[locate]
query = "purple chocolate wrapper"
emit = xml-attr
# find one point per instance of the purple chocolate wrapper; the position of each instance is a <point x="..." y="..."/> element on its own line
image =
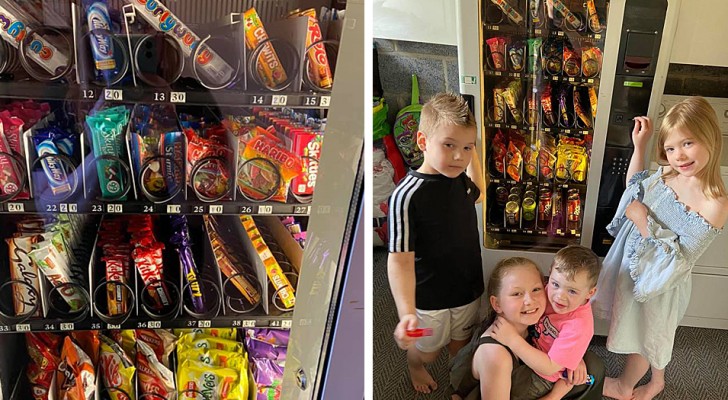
<point x="268" y="378"/>
<point x="267" y="343"/>
<point x="191" y="275"/>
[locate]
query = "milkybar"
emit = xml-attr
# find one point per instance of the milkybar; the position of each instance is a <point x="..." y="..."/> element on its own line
<point x="269" y="64"/>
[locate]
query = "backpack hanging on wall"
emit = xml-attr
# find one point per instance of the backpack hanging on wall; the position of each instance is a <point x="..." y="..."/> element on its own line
<point x="405" y="128"/>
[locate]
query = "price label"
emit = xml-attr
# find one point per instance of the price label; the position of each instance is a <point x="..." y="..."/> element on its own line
<point x="302" y="210"/>
<point x="63" y="207"/>
<point x="204" y="324"/>
<point x="113" y="326"/>
<point x="115" y="208"/>
<point x="279" y="100"/>
<point x="154" y="324"/>
<point x="598" y="36"/>
<point x="286" y="323"/>
<point x="257" y="99"/>
<point x="113" y="94"/>
<point x="89" y="94"/>
<point x="246" y="210"/>
<point x="537" y="31"/>
<point x="571" y="79"/>
<point x="72" y="207"/>
<point x="178" y="97"/>
<point x="173" y="208"/>
<point x="496" y="27"/>
<point x="216" y="209"/>
<point x="498" y="73"/>
<point x="22" y="328"/>
<point x="249" y="323"/>
<point x="497" y="125"/>
<point x="567" y="130"/>
<point x="265" y="209"/>
<point x="560" y="33"/>
<point x="590" y="80"/>
<point x="67" y="326"/>
<point x="16" y="207"/>
<point x="325" y="101"/>
<point x="311" y="101"/>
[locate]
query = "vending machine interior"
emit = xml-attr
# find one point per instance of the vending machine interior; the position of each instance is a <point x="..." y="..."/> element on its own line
<point x="556" y="85"/>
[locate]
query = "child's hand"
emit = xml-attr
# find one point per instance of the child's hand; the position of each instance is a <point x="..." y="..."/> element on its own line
<point x="577" y="376"/>
<point x="636" y="211"/>
<point x="641" y="132"/>
<point x="504" y="332"/>
<point x="406" y="323"/>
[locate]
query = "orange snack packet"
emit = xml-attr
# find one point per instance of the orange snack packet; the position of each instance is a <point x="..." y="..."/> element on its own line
<point x="269" y="65"/>
<point x="316" y="53"/>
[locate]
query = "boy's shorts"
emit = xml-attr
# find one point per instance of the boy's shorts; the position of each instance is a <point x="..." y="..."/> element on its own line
<point x="450" y="324"/>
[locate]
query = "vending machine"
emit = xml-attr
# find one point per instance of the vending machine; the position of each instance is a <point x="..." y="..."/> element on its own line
<point x="180" y="185"/>
<point x="556" y="85"/>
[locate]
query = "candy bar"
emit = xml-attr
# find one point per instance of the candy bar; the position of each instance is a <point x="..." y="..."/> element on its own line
<point x="316" y="52"/>
<point x="269" y="65"/>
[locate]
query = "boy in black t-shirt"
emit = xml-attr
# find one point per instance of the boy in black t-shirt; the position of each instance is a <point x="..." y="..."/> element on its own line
<point x="434" y="266"/>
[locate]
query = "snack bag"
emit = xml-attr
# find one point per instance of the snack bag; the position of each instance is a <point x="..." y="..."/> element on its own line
<point x="406" y="126"/>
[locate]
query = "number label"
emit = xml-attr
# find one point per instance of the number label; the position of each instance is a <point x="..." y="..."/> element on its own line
<point x="51" y="208"/>
<point x="89" y="94"/>
<point x="141" y="324"/>
<point x="216" y="209"/>
<point x="96" y="325"/>
<point x="154" y="324"/>
<point x="198" y="209"/>
<point x="115" y="208"/>
<point x="113" y="94"/>
<point x="258" y="100"/>
<point x="249" y="323"/>
<point x="4" y="328"/>
<point x="325" y="101"/>
<point x="279" y="100"/>
<point x="113" y="326"/>
<point x="97" y="208"/>
<point x="310" y="101"/>
<point x="204" y="324"/>
<point x="265" y="209"/>
<point x="246" y="210"/>
<point x="67" y="326"/>
<point x="22" y="328"/>
<point x="303" y="210"/>
<point x="173" y="208"/>
<point x="49" y="327"/>
<point x="324" y="209"/>
<point x="148" y="209"/>
<point x="178" y="97"/>
<point x="237" y="324"/>
<point x="160" y="96"/>
<point x="16" y="207"/>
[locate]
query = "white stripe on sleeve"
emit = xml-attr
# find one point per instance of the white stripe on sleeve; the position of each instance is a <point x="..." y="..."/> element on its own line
<point x="399" y="228"/>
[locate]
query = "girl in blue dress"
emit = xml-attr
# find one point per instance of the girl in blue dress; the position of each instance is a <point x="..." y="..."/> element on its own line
<point x="664" y="222"/>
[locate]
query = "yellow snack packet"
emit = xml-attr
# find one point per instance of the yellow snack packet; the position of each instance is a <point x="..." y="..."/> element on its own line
<point x="117" y="370"/>
<point x="200" y="341"/>
<point x="218" y="358"/>
<point x="220" y="383"/>
<point x="225" y="333"/>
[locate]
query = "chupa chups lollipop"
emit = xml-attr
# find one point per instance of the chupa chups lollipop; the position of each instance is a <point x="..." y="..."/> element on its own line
<point x="571" y="18"/>
<point x="510" y="11"/>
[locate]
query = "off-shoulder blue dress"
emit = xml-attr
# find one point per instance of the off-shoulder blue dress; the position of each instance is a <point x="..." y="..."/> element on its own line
<point x="644" y="286"/>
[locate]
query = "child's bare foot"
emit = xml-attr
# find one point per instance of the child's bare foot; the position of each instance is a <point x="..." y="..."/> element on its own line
<point x="422" y="380"/>
<point x="613" y="388"/>
<point x="648" y="391"/>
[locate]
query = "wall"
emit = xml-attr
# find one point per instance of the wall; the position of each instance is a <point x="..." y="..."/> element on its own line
<point x="435" y="65"/>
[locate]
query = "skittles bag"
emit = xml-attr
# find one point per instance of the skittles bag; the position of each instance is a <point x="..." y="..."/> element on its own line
<point x="405" y="128"/>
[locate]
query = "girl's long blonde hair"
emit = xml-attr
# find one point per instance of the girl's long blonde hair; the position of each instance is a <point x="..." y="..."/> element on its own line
<point x="697" y="116"/>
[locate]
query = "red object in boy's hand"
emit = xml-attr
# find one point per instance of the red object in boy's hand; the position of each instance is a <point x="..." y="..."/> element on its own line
<point x="420" y="332"/>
